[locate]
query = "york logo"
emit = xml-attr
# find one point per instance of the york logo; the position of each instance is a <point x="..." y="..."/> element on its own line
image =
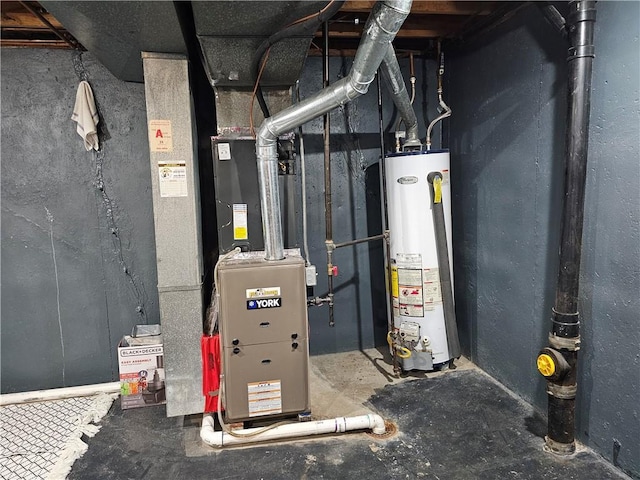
<point x="264" y="303"/>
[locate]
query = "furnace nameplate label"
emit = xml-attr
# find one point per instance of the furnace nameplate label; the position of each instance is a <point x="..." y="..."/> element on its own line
<point x="240" y="224"/>
<point x="265" y="398"/>
<point x="172" y="179"/>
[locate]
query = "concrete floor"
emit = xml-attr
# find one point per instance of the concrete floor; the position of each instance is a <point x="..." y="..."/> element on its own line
<point x="457" y="424"/>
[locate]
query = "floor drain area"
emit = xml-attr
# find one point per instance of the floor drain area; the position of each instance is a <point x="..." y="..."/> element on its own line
<point x="390" y="430"/>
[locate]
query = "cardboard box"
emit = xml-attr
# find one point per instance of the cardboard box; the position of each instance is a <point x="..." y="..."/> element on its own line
<point x="141" y="365"/>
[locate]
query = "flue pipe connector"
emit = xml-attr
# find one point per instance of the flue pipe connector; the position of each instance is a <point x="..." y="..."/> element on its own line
<point x="395" y="82"/>
<point x="380" y="30"/>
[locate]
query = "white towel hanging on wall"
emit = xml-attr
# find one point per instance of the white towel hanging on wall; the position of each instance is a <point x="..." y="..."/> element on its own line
<point x="86" y="116"/>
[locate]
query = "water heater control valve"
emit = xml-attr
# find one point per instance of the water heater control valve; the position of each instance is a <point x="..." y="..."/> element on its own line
<point x="410" y="332"/>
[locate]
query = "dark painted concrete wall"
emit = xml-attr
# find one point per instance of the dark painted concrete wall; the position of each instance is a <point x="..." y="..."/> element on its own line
<point x="360" y="308"/>
<point x="77" y="262"/>
<point x="509" y="102"/>
<point x="96" y="298"/>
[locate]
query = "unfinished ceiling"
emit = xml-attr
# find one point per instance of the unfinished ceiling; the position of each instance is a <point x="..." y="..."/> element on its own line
<point x="117" y="31"/>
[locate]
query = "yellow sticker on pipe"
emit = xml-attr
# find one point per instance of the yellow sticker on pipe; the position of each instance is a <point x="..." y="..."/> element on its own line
<point x="395" y="291"/>
<point x="437" y="190"/>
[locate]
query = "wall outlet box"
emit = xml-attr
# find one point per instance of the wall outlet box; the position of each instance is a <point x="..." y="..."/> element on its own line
<point x="141" y="367"/>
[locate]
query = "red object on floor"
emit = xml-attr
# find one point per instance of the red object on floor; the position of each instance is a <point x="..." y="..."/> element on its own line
<point x="210" y="347"/>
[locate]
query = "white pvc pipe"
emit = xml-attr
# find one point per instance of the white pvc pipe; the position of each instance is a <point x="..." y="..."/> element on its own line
<point x="301" y="429"/>
<point x="59" y="393"/>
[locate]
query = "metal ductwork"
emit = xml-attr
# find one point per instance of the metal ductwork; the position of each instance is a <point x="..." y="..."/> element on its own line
<point x="381" y="28"/>
<point x="395" y="82"/>
<point x="230" y="32"/>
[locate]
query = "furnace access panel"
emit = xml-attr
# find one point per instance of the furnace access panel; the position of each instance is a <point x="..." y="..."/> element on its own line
<point x="237" y="193"/>
<point x="263" y="326"/>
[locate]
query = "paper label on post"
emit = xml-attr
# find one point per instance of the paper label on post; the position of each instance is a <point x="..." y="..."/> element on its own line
<point x="160" y="136"/>
<point x="224" y="151"/>
<point x="172" y="178"/>
<point x="265" y="398"/>
<point x="240" y="230"/>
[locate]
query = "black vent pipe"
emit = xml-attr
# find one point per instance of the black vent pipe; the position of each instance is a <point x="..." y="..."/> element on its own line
<point x="558" y="362"/>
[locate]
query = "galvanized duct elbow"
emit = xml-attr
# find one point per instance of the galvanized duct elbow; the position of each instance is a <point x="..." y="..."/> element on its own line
<point x="394" y="80"/>
<point x="379" y="31"/>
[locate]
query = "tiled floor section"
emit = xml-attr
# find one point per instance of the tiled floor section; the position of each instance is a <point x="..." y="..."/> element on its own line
<point x="34" y="435"/>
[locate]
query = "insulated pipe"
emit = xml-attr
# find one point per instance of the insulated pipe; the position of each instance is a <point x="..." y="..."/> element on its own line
<point x="58" y="393"/>
<point x="558" y="363"/>
<point x="380" y="30"/>
<point x="395" y="82"/>
<point x="444" y="265"/>
<point x="220" y="439"/>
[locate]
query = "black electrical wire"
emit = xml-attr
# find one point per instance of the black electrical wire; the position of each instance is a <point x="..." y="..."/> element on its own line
<point x="296" y="29"/>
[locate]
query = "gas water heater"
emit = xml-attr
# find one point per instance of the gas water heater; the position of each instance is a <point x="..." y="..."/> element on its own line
<point x="424" y="332"/>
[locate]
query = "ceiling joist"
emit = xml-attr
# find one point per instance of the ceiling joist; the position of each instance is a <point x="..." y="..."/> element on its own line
<point x="28" y="24"/>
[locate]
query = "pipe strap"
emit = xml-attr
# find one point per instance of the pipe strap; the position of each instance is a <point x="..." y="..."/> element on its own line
<point x="586" y="15"/>
<point x="571" y="343"/>
<point x="569" y="318"/>
<point x="565" y="392"/>
<point x="581" y="51"/>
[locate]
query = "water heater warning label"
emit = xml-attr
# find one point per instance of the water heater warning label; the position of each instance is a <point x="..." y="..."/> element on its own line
<point x="265" y="398"/>
<point x="432" y="292"/>
<point x="410" y="298"/>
